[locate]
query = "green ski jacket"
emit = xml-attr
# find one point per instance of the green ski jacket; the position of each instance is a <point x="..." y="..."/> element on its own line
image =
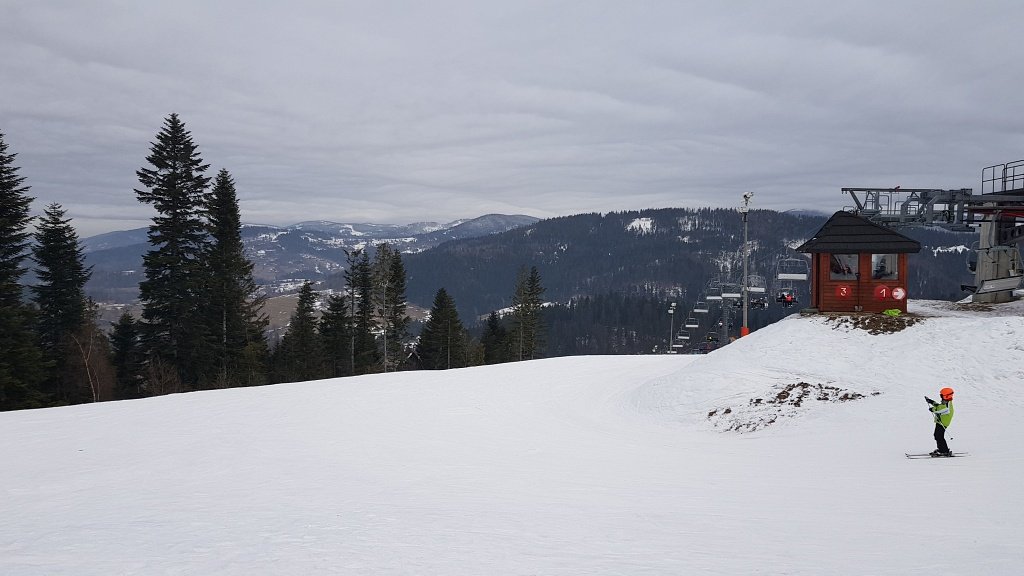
<point x="943" y="413"/>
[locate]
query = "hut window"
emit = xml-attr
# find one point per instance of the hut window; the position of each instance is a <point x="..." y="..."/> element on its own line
<point x="883" y="267"/>
<point x="843" y="267"/>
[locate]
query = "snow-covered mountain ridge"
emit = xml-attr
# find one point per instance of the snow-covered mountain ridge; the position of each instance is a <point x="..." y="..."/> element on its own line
<point x="462" y="228"/>
<point x="311" y="249"/>
<point x="580" y="465"/>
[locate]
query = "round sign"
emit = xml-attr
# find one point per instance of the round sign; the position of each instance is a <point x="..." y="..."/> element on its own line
<point x="844" y="291"/>
<point x="882" y="292"/>
<point x="899" y="293"/>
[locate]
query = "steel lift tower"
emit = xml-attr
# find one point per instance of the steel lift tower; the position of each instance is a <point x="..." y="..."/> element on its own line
<point x="997" y="214"/>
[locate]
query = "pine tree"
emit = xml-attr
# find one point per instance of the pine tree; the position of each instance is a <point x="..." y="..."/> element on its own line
<point x="128" y="357"/>
<point x="494" y="340"/>
<point x="236" y="314"/>
<point x="61" y="302"/>
<point x="21" y="361"/>
<point x="300" y="357"/>
<point x="476" y="352"/>
<point x="352" y="295"/>
<point x="335" y="333"/>
<point x="443" y="342"/>
<point x="535" y="291"/>
<point x="527" y="333"/>
<point x="366" y="356"/>
<point x="391" y="305"/>
<point x="174" y="292"/>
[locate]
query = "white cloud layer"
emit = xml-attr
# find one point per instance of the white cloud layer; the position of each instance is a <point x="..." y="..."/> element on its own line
<point x="400" y="111"/>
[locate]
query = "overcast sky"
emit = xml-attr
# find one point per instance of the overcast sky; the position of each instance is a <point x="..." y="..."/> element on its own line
<point x="395" y="111"/>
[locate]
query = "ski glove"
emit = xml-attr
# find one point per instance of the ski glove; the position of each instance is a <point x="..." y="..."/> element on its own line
<point x="930" y="401"/>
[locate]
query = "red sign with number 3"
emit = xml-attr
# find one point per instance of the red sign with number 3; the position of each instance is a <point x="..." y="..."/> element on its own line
<point x="844" y="291"/>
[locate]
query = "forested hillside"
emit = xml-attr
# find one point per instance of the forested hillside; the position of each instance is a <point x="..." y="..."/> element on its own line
<point x="663" y="252"/>
<point x="938" y="270"/>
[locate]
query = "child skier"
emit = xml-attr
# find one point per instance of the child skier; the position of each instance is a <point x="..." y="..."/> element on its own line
<point x="943" y="414"/>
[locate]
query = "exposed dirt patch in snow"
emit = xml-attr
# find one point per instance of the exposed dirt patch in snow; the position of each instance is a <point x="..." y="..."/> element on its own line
<point x="971" y="307"/>
<point x="781" y="402"/>
<point x="874" y="323"/>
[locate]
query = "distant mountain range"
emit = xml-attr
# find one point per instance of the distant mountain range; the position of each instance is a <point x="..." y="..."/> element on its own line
<point x="307" y="250"/>
<point x="671" y="252"/>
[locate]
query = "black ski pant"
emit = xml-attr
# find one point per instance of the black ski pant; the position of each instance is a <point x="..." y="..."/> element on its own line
<point x="940" y="438"/>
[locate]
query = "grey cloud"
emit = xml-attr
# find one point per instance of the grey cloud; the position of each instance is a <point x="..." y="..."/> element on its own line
<point x="400" y="111"/>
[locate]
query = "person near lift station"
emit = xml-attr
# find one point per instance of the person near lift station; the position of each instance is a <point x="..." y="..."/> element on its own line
<point x="942" y="412"/>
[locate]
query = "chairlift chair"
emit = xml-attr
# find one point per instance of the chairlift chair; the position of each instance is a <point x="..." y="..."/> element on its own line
<point x="691" y="322"/>
<point x="731" y="290"/>
<point x="792" y="269"/>
<point x="786" y="296"/>
<point x="756" y="284"/>
<point x="714" y="290"/>
<point x="701" y="307"/>
<point x="683" y="335"/>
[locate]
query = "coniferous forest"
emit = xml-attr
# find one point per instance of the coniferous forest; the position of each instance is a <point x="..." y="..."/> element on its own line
<point x="620" y="283"/>
<point x="202" y="324"/>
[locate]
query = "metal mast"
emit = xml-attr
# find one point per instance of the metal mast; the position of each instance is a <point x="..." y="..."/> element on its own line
<point x="744" y="330"/>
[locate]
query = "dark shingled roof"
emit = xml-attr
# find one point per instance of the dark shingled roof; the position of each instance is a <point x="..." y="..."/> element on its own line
<point x="847" y="233"/>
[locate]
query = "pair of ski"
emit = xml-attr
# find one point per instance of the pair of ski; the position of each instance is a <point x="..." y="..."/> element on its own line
<point x="928" y="455"/>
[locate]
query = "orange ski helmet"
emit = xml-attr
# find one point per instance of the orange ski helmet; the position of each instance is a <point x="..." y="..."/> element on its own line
<point x="946" y="393"/>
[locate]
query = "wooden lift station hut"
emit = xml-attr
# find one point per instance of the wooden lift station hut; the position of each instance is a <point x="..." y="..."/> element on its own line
<point x="858" y="266"/>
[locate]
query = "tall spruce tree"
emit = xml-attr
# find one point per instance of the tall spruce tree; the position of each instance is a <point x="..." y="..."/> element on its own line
<point x="443" y="342"/>
<point x="335" y="333"/>
<point x="366" y="356"/>
<point x="60" y="299"/>
<point x="352" y="259"/>
<point x="391" y="305"/>
<point x="527" y="332"/>
<point x="174" y="293"/>
<point x="300" y="357"/>
<point x="128" y="357"/>
<point x="494" y="340"/>
<point x="236" y="315"/>
<point x="21" y="361"/>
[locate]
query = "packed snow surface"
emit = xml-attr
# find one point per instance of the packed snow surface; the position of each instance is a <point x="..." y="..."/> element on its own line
<point x="779" y="454"/>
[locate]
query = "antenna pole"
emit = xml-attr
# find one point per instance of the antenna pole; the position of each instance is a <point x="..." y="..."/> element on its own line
<point x="745" y="329"/>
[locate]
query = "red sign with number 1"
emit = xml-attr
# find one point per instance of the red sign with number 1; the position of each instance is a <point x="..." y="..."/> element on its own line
<point x="882" y="292"/>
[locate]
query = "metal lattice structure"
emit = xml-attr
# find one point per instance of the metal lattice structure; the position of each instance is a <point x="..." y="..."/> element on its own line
<point x="997" y="214"/>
